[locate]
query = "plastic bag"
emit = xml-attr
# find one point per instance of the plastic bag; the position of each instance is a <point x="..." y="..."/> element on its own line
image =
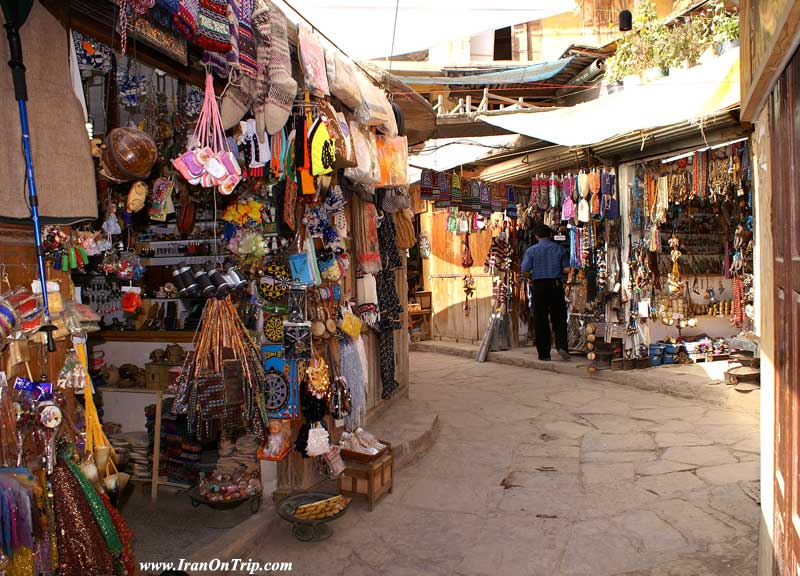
<point x="343" y="79"/>
<point x="393" y="160"/>
<point x="375" y="109"/>
<point x="313" y="60"/>
<point x="367" y="169"/>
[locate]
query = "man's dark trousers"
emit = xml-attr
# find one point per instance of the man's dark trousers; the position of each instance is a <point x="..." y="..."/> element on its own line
<point x="549" y="307"/>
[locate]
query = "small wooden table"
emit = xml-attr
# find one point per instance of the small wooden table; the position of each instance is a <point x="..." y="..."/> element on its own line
<point x="370" y="479"/>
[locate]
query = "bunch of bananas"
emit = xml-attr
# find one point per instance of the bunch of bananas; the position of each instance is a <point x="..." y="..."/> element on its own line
<point x="321" y="509"/>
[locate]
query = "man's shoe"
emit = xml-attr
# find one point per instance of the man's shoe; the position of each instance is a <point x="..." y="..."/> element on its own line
<point x="544" y="359"/>
<point x="564" y="354"/>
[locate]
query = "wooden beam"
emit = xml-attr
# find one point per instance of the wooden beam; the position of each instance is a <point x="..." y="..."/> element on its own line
<point x="777" y="55"/>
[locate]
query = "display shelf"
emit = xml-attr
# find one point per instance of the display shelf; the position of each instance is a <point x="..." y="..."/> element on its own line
<point x="173" y="260"/>
<point x="104" y="389"/>
<point x="181" y="242"/>
<point x="174" y="336"/>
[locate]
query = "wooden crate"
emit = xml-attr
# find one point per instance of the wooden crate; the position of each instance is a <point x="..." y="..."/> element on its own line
<point x="371" y="480"/>
<point x="157" y="376"/>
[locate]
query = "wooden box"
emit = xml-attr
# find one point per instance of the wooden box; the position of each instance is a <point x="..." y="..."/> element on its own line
<point x="157" y="376"/>
<point x="424" y="299"/>
<point x="371" y="480"/>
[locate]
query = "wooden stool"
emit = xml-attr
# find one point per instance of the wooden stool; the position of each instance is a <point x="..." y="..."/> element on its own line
<point x="370" y="479"/>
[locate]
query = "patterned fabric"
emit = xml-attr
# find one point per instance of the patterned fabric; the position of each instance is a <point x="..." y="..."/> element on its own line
<point x="386" y="362"/>
<point x="498" y="197"/>
<point x="222" y="63"/>
<point x="388" y="304"/>
<point x="185" y="19"/>
<point x="247" y="41"/>
<point x="443" y="185"/>
<point x="426" y="185"/>
<point x="511" y="197"/>
<point x="486" y="199"/>
<point x="213" y="26"/>
<point x="282" y="87"/>
<point x="456" y="194"/>
<point x="387" y="239"/>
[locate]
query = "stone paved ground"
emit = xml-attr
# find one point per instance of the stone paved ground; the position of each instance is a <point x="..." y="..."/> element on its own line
<point x="541" y="474"/>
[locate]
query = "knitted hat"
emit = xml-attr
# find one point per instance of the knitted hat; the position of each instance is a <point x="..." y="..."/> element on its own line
<point x="247" y="41"/>
<point x="185" y="19"/>
<point x="282" y="87"/>
<point x="213" y="28"/>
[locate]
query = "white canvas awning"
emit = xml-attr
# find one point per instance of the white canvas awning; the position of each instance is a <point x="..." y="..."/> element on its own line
<point x="445" y="153"/>
<point x="686" y="97"/>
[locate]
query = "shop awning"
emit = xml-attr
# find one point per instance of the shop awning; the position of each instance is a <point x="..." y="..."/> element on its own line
<point x="446" y="153"/>
<point x="686" y="97"/>
<point x="518" y="75"/>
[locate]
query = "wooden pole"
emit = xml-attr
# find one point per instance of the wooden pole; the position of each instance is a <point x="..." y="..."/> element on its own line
<point x="156" y="448"/>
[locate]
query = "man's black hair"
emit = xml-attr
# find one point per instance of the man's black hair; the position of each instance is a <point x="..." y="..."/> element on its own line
<point x="543" y="231"/>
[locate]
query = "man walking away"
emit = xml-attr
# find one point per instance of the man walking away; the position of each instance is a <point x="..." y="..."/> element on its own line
<point x="547" y="263"/>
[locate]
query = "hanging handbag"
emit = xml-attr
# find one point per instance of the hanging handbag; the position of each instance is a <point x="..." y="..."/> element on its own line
<point x="318" y="441"/>
<point x="301" y="269"/>
<point x="209" y="161"/>
<point x="351" y="324"/>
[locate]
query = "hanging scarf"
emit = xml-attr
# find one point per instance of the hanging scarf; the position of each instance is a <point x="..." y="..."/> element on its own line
<point x="82" y="550"/>
<point x="365" y="235"/>
<point x="353" y="372"/>
<point x="485" y="199"/>
<point x="443" y="185"/>
<point x="553" y="190"/>
<point x="568" y="208"/>
<point x="99" y="510"/>
<point x="456" y="195"/>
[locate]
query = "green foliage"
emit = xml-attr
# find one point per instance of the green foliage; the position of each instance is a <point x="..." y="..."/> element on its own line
<point x="653" y="44"/>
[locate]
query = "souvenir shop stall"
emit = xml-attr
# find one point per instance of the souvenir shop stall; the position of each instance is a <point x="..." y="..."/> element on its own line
<point x="582" y="209"/>
<point x="690" y="243"/>
<point x="233" y="292"/>
<point x="661" y="255"/>
<point x="468" y="246"/>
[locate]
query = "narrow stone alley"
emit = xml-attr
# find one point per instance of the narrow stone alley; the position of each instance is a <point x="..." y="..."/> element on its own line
<point x="542" y="474"/>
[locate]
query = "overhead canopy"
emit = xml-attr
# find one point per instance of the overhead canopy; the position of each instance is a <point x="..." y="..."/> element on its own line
<point x="446" y="153"/>
<point x="688" y="96"/>
<point x="520" y="75"/>
<point x="365" y="29"/>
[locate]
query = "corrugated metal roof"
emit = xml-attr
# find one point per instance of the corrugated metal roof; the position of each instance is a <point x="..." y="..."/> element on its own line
<point x="519" y="75"/>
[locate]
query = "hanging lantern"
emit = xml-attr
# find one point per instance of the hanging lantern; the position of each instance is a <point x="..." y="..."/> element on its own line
<point x="625" y="21"/>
